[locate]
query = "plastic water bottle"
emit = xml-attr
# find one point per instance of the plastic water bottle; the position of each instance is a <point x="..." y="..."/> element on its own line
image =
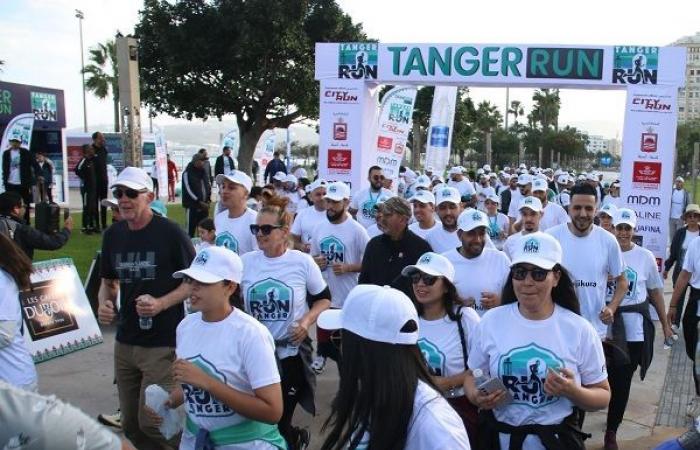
<point x="292" y="327"/>
<point x="145" y="323"/>
<point x="669" y="341"/>
<point x="479" y="378"/>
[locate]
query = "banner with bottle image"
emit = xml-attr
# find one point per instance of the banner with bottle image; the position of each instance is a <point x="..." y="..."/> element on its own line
<point x="442" y="117"/>
<point x="57" y="315"/>
<point x="395" y="122"/>
<point x="20" y="127"/>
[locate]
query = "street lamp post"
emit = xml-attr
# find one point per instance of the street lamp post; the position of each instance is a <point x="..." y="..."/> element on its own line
<point x="80" y="16"/>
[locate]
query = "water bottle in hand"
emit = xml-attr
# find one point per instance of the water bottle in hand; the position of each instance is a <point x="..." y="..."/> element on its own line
<point x="290" y="331"/>
<point x="145" y="323"/>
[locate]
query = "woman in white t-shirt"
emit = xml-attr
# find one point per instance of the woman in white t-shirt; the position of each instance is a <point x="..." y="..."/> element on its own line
<point x="226" y="367"/>
<point x="275" y="284"/>
<point x="445" y="333"/>
<point x="499" y="224"/>
<point x="16" y="364"/>
<point x="207" y="234"/>
<point x="387" y="399"/>
<point x="549" y="359"/>
<point x="632" y="330"/>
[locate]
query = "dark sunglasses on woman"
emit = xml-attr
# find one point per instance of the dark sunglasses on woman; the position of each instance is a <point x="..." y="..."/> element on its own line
<point x="131" y="193"/>
<point x="264" y="229"/>
<point x="428" y="280"/>
<point x="537" y="274"/>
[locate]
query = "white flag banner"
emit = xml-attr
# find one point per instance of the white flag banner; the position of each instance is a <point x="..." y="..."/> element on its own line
<point x="442" y="118"/>
<point x="648" y="149"/>
<point x="20" y="127"/>
<point x="394" y="123"/>
<point x="232" y="140"/>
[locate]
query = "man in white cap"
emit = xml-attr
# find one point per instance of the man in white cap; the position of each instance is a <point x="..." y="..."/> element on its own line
<point x="606" y="214"/>
<point x="233" y="223"/>
<point x="530" y="215"/>
<point x="424" y="212"/>
<point x="410" y="177"/>
<point x="524" y="190"/>
<point x="563" y="194"/>
<point x="552" y="214"/>
<point x="592" y="180"/>
<point x="139" y="255"/>
<point x="449" y="207"/>
<point x="613" y="197"/>
<point x="679" y="201"/>
<point x="337" y="247"/>
<point x="480" y="272"/>
<point x="362" y="203"/>
<point x="308" y="218"/>
<point x="460" y="182"/>
<point x="278" y="182"/>
<point x="291" y="191"/>
<point x="429" y="171"/>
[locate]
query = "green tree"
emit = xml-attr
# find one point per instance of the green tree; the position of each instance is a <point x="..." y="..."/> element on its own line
<point x="250" y="58"/>
<point x="516" y="110"/>
<point x="686" y="135"/>
<point x="463" y="133"/>
<point x="102" y="76"/>
<point x="486" y="119"/>
<point x="546" y="108"/>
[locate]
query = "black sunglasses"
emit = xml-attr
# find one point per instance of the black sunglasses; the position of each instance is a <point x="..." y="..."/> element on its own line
<point x="264" y="229"/>
<point x="537" y="274"/>
<point x="131" y="193"/>
<point x="428" y="280"/>
<point x="189" y="280"/>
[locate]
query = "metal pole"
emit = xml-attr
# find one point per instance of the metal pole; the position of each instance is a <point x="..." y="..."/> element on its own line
<point x="79" y="14"/>
<point x="507" y="106"/>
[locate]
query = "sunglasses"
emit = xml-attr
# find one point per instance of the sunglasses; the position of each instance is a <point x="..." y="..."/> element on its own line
<point x="378" y="178"/>
<point x="264" y="229"/>
<point x="428" y="280"/>
<point x="537" y="274"/>
<point x="131" y="193"/>
<point x="189" y="280"/>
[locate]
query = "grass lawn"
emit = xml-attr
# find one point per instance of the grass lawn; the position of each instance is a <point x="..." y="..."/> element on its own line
<point x="693" y="187"/>
<point x="81" y="247"/>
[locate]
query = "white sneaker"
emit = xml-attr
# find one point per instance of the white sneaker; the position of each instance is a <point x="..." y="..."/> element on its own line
<point x="675" y="328"/>
<point x="318" y="364"/>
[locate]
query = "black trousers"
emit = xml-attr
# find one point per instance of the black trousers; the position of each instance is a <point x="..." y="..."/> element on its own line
<point x="293" y="383"/>
<point x="194" y="216"/>
<point x="26" y="193"/>
<point x="90" y="217"/>
<point x="690" y="331"/>
<point x="101" y="195"/>
<point x="620" y="379"/>
<point x="681" y="302"/>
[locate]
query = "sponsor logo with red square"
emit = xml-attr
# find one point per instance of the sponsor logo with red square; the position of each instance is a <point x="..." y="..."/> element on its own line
<point x="646" y="175"/>
<point x="649" y="142"/>
<point x="340" y="130"/>
<point x="384" y="143"/>
<point x="339" y="160"/>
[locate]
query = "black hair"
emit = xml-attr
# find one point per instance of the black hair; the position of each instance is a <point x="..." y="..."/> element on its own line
<point x="563" y="294"/>
<point x="207" y="223"/>
<point x="449" y="301"/>
<point x="275" y="154"/>
<point x="377" y="388"/>
<point x="226" y="147"/>
<point x="95" y="134"/>
<point x="85" y="148"/>
<point x="583" y="189"/>
<point x="255" y="191"/>
<point x="373" y="168"/>
<point x="8" y="201"/>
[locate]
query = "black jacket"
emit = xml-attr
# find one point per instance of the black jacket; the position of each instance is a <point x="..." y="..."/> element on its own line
<point x="27" y="167"/>
<point x="29" y="238"/>
<point x="102" y="179"/>
<point x="219" y="164"/>
<point x="87" y="172"/>
<point x="675" y="257"/>
<point x="195" y="187"/>
<point x="505" y="200"/>
<point x="384" y="260"/>
<point x="274" y="166"/>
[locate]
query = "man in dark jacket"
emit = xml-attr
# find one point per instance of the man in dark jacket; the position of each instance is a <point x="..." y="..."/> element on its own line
<point x="44" y="176"/>
<point x="28" y="238"/>
<point x="387" y="254"/>
<point x="274" y="166"/>
<point x="18" y="168"/>
<point x="102" y="180"/>
<point x="224" y="164"/>
<point x="196" y="192"/>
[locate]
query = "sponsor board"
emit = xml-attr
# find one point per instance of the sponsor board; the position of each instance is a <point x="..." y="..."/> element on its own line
<point x="357" y="60"/>
<point x="340" y="96"/>
<point x="646" y="175"/>
<point x="339" y="161"/>
<point x="649" y="141"/>
<point x="635" y="65"/>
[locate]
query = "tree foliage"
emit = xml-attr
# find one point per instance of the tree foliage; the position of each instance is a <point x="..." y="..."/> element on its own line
<point x="103" y="76"/>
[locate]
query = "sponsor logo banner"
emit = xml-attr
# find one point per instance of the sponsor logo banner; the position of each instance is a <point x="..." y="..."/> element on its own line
<point x="395" y="122"/>
<point x="339" y="160"/>
<point x="357" y="60"/>
<point x="635" y="65"/>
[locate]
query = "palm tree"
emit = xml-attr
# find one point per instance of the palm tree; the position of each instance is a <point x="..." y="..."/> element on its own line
<point x="516" y="109"/>
<point x="100" y="82"/>
<point x="546" y="109"/>
<point x="487" y="117"/>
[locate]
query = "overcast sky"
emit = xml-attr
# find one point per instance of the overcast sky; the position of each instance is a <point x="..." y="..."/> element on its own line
<point x="40" y="41"/>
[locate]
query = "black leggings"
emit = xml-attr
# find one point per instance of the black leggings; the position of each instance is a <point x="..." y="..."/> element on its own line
<point x="293" y="384"/>
<point x="620" y="379"/>
<point x="690" y="330"/>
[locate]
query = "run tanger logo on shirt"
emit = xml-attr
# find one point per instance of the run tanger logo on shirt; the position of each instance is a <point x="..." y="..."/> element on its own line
<point x="631" y="276"/>
<point x="201" y="403"/>
<point x="227" y="240"/>
<point x="523" y="371"/>
<point x="434" y="358"/>
<point x="135" y="266"/>
<point x="270" y="300"/>
<point x="368" y="211"/>
<point x="333" y="249"/>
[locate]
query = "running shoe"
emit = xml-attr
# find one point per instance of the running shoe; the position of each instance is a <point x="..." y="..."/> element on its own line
<point x="318" y="364"/>
<point x="113" y="420"/>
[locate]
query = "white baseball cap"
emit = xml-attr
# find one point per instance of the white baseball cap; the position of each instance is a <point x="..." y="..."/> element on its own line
<point x="494" y="198"/>
<point x="423" y="181"/>
<point x="539" y="249"/>
<point x="522" y="166"/>
<point x="423" y="196"/>
<point x="237" y="177"/>
<point x="375" y="313"/>
<point x="134" y="178"/>
<point x="280" y="176"/>
<point x="679" y="178"/>
<point x="609" y="209"/>
<point x="626" y="216"/>
<point x="524" y="179"/>
<point x="337" y="191"/>
<point x="291" y="179"/>
<point x="479" y="171"/>
<point x="447" y="194"/>
<point x="563" y="178"/>
<point x="539" y="184"/>
<point x="532" y="203"/>
<point x="214" y="264"/>
<point x="472" y="218"/>
<point x="430" y="169"/>
<point x="591" y="176"/>
<point x="320" y="182"/>
<point x="432" y="264"/>
<point x="487" y="168"/>
<point x="456" y="170"/>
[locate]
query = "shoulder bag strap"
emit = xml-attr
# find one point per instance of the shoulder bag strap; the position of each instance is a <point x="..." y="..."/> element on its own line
<point x="462" y="338"/>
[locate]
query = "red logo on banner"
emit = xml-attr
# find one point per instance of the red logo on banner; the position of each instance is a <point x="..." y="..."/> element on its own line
<point x="398" y="148"/>
<point x="339" y="159"/>
<point x="340" y="130"/>
<point x="649" y="141"/>
<point x="646" y="175"/>
<point x="384" y="143"/>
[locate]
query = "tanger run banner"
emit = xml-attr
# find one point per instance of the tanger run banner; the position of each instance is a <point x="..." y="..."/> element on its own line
<point x="648" y="149"/>
<point x="20" y="127"/>
<point x="57" y="315"/>
<point x="394" y="123"/>
<point x="232" y="140"/>
<point x="442" y="117"/>
<point x="264" y="150"/>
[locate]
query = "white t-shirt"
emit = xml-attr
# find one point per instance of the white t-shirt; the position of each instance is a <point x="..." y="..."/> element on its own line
<point x="227" y="165"/>
<point x="553" y="215"/>
<point x="642" y="274"/>
<point x="689" y="236"/>
<point x="415" y="227"/>
<point x="234" y="233"/>
<point x="306" y="221"/>
<point x="433" y="425"/>
<point x="16" y="364"/>
<point x="274" y="290"/>
<point x="487" y="272"/>
<point x="340" y="243"/>
<point x="441" y="346"/>
<point x="497" y="224"/>
<point x="441" y="240"/>
<point x="238" y="351"/>
<point x="589" y="260"/>
<point x="514" y="205"/>
<point x="519" y="351"/>
<point x="374" y="231"/>
<point x="465" y="187"/>
<point x="364" y="201"/>
<point x="610" y="200"/>
<point x="691" y="263"/>
<point x="294" y="199"/>
<point x="14" y="177"/>
<point x="677" y="203"/>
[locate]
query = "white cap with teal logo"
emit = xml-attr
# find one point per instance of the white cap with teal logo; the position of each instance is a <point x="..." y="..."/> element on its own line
<point x="423" y="196"/>
<point x="625" y="216"/>
<point x="337" y="191"/>
<point x="472" y="218"/>
<point x="539" y="249"/>
<point x="214" y="264"/>
<point x="432" y="264"/>
<point x="532" y="203"/>
<point x="447" y="194"/>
